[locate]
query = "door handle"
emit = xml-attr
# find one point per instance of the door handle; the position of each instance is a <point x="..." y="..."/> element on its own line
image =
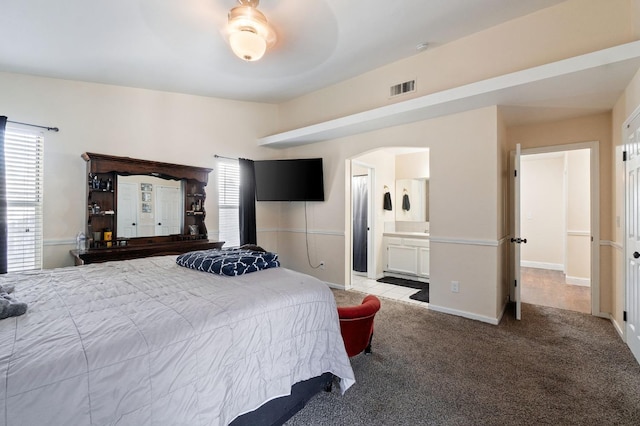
<point x="133" y="224"/>
<point x="636" y="255"/>
<point x="159" y="223"/>
<point x="519" y="240"/>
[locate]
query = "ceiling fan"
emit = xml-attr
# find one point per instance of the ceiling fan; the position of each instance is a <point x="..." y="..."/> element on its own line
<point x="248" y="31"/>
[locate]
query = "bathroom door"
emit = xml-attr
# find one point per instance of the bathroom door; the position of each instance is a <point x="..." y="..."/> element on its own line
<point x="360" y="222"/>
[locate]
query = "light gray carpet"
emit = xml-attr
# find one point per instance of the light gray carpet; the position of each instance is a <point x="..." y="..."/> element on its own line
<point x="554" y="367"/>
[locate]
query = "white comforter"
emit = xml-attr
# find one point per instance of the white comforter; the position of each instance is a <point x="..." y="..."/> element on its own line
<point x="146" y="342"/>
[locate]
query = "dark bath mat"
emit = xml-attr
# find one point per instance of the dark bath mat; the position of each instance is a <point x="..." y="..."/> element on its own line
<point x="403" y="282"/>
<point x="422" y="295"/>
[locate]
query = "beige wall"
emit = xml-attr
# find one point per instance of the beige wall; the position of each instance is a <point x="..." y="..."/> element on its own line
<point x="635" y="17"/>
<point x="138" y="123"/>
<point x="542" y="204"/>
<point x="412" y="166"/>
<point x="569" y="29"/>
<point x="578" y="217"/>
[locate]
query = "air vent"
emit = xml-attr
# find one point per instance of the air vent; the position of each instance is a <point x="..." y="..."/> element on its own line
<point x="402" y="88"/>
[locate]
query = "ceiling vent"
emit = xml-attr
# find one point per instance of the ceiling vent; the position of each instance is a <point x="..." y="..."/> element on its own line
<point x="402" y="88"/>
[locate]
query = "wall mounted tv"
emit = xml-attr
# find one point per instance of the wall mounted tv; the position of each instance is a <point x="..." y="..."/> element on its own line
<point x="289" y="180"/>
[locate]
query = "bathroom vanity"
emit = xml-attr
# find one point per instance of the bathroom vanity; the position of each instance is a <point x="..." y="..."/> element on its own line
<point x="407" y="253"/>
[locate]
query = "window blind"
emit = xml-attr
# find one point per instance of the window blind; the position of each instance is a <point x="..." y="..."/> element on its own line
<point x="229" y="202"/>
<point x="24" y="175"/>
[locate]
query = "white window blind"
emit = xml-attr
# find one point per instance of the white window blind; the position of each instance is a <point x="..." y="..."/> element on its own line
<point x="229" y="202"/>
<point x="23" y="150"/>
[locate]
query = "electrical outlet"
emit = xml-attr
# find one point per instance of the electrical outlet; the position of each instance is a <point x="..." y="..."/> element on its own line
<point x="322" y="264"/>
<point x="455" y="286"/>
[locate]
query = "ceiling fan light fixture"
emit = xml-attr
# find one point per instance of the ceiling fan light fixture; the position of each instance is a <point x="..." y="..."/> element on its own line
<point x="249" y="33"/>
<point x="247" y="45"/>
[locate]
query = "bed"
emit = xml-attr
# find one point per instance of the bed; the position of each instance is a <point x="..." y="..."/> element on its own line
<point x="146" y="341"/>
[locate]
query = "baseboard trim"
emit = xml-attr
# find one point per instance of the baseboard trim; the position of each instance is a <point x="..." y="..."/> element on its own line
<point x="504" y="309"/>
<point x="542" y="265"/>
<point x="582" y="282"/>
<point x="334" y="285"/>
<point x="617" y="327"/>
<point x="464" y="314"/>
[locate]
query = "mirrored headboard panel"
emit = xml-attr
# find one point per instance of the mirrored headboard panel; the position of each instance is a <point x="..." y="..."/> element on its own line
<point x="149" y="206"/>
<point x="135" y="201"/>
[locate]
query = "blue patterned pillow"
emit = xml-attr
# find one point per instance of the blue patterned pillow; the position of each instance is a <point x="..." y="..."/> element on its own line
<point x="228" y="262"/>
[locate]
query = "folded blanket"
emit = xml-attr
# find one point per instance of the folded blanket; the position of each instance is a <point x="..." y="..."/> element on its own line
<point x="9" y="306"/>
<point x="228" y="262"/>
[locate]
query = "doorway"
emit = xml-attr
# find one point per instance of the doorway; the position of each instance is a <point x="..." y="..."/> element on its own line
<point x="387" y="169"/>
<point x="362" y="222"/>
<point x="558" y="217"/>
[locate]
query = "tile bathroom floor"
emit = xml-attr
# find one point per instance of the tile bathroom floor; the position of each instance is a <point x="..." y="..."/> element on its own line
<point x="362" y="284"/>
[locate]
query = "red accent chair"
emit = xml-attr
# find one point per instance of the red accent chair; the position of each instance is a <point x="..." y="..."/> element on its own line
<point x="356" y="325"/>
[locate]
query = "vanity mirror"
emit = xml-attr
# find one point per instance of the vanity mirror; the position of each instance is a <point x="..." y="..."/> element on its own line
<point x="412" y="200"/>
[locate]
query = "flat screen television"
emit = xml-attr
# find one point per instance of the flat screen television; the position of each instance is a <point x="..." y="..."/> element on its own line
<point x="289" y="180"/>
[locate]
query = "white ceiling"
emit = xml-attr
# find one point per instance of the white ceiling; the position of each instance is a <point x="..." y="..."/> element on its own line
<point x="177" y="45"/>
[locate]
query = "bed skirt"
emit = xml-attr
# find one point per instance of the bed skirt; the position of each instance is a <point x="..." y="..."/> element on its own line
<point x="279" y="410"/>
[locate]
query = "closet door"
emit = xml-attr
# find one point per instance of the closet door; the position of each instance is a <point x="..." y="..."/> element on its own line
<point x="632" y="247"/>
<point x="127" y="210"/>
<point x="168" y="212"/>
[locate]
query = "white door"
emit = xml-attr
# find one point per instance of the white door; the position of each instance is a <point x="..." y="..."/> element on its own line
<point x="168" y="213"/>
<point x="516" y="240"/>
<point x="127" y="220"/>
<point x="632" y="249"/>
